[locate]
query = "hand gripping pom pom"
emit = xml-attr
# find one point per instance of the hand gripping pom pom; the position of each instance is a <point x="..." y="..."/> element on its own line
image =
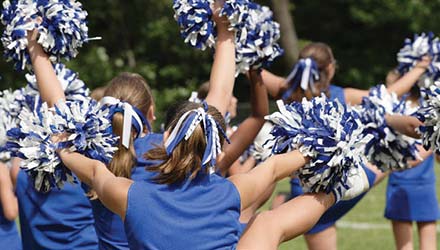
<point x="32" y="142"/>
<point x="62" y="31"/>
<point x="90" y="129"/>
<point x="263" y="143"/>
<point x="326" y="131"/>
<point x="194" y="18"/>
<point x="429" y="114"/>
<point x="74" y="88"/>
<point x="85" y="123"/>
<point x="389" y="150"/>
<point x="414" y="50"/>
<point x="256" y="42"/>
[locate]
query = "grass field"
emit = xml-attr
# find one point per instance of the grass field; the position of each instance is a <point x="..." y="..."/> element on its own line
<point x="370" y="210"/>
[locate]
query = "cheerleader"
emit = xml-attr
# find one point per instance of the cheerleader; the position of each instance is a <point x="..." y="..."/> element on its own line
<point x="59" y="219"/>
<point x="411" y="195"/>
<point x="8" y="211"/>
<point x="133" y="93"/>
<point x="194" y="209"/>
<point x="319" y="57"/>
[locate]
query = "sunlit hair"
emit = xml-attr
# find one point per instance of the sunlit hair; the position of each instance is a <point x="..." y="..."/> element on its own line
<point x="185" y="161"/>
<point x="133" y="89"/>
<point x="322" y="54"/>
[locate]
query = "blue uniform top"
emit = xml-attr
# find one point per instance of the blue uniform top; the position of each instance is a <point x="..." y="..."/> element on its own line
<point x="199" y="214"/>
<point x="421" y="174"/>
<point x="60" y="219"/>
<point x="337" y="92"/>
<point x="8" y="233"/>
<point x="109" y="226"/>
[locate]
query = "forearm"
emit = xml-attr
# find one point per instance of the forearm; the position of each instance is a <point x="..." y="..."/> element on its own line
<point x="240" y="141"/>
<point x="273" y="83"/>
<point x="84" y="168"/>
<point x="223" y="71"/>
<point x="48" y="85"/>
<point x="286" y="222"/>
<point x="8" y="200"/>
<point x="285" y="164"/>
<point x="259" y="98"/>
<point x="406" y="82"/>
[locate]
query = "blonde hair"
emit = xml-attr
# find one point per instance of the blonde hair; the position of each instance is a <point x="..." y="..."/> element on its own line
<point x="133" y="89"/>
<point x="185" y="161"/>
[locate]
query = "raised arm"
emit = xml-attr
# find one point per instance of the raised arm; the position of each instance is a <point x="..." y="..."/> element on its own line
<point x="253" y="184"/>
<point x="221" y="82"/>
<point x="7" y="196"/>
<point x="273" y="83"/>
<point x="249" y="128"/>
<point x="400" y="87"/>
<point x="404" y="124"/>
<point x="48" y="85"/>
<point x="111" y="190"/>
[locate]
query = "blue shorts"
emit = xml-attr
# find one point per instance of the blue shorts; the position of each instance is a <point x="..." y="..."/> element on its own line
<point x="338" y="210"/>
<point x="412" y="202"/>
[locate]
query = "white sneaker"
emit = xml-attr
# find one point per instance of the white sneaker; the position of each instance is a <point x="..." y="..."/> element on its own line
<point x="357" y="182"/>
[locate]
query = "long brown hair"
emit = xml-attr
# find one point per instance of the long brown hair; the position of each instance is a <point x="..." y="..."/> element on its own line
<point x="322" y="54"/>
<point x="185" y="161"/>
<point x="133" y="89"/>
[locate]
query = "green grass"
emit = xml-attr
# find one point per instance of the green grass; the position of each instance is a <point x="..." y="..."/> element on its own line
<point x="369" y="210"/>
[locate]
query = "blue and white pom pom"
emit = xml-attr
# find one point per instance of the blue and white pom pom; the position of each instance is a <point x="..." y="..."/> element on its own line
<point x="330" y="133"/>
<point x="74" y="88"/>
<point x="256" y="42"/>
<point x="263" y="143"/>
<point x="10" y="108"/>
<point x="32" y="142"/>
<point x="388" y="150"/>
<point x="429" y="114"/>
<point x="414" y="50"/>
<point x="62" y="31"/>
<point x="90" y="129"/>
<point x="194" y="18"/>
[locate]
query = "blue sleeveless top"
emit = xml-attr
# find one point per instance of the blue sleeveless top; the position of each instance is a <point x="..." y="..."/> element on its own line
<point x="60" y="219"/>
<point x="421" y="174"/>
<point x="8" y="233"/>
<point x="337" y="92"/>
<point x="201" y="214"/>
<point x="109" y="226"/>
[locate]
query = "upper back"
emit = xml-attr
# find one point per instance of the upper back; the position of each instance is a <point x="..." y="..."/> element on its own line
<point x="337" y="92"/>
<point x="60" y="219"/>
<point x="199" y="214"/>
<point x="109" y="226"/>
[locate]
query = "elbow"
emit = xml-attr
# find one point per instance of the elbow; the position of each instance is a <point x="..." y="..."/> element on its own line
<point x="11" y="213"/>
<point x="94" y="176"/>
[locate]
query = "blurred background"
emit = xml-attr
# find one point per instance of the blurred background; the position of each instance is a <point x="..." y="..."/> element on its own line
<point x="142" y="36"/>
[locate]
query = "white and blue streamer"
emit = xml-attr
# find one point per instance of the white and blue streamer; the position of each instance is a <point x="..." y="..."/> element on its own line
<point x="413" y="51"/>
<point x="429" y="114"/>
<point x="74" y="88"/>
<point x="63" y="29"/>
<point x="304" y="74"/>
<point x="388" y="150"/>
<point x="11" y="103"/>
<point x="90" y="129"/>
<point x="186" y="126"/>
<point x="330" y="133"/>
<point x="32" y="142"/>
<point x="86" y="125"/>
<point x="256" y="43"/>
